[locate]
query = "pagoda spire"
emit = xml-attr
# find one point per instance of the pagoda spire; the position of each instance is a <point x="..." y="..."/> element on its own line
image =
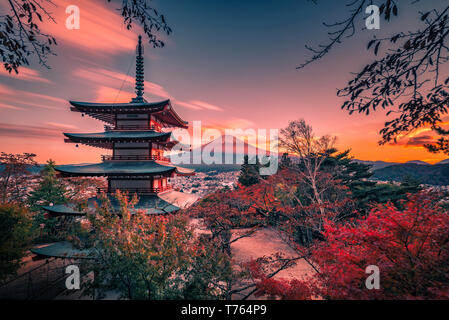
<point x="139" y="73"/>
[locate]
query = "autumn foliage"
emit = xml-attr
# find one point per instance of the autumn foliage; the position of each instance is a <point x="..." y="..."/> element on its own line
<point x="150" y="256"/>
<point x="410" y="246"/>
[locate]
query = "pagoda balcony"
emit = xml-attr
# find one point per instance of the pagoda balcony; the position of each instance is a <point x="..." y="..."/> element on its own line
<point x="134" y="158"/>
<point x="138" y="191"/>
<point x="132" y="127"/>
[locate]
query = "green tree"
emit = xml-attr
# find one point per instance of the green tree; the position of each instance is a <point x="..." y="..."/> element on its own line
<point x="249" y="172"/>
<point x="366" y="191"/>
<point x="210" y="275"/>
<point x="50" y="191"/>
<point x="15" y="234"/>
<point x="151" y="257"/>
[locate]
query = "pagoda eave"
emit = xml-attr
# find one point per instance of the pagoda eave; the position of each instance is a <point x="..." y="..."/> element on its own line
<point x="114" y="136"/>
<point x="162" y="203"/>
<point x="122" y="168"/>
<point x="106" y="111"/>
<point x="119" y="107"/>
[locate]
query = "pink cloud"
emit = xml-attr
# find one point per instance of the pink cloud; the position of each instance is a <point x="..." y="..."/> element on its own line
<point x="108" y="80"/>
<point x="61" y="125"/>
<point x="101" y="27"/>
<point x="23" y="97"/>
<point x="42" y="96"/>
<point x="4" y="90"/>
<point x="187" y="105"/>
<point x="24" y="74"/>
<point x="111" y="79"/>
<point x="157" y="90"/>
<point x="205" y="105"/>
<point x="8" y="106"/>
<point x="108" y="94"/>
<point x="29" y="131"/>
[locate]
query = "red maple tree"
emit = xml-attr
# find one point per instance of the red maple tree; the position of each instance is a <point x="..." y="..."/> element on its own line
<point x="410" y="246"/>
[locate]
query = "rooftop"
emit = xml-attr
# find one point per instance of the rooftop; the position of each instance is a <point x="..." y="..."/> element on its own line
<point x="122" y="168"/>
<point x="163" y="203"/>
<point x="106" y="111"/>
<point x="63" y="249"/>
<point x="119" y="135"/>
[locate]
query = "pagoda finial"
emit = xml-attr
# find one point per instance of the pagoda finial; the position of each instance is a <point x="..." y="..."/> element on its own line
<point x="139" y="72"/>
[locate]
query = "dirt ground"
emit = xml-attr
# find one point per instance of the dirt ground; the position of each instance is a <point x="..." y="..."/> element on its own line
<point x="265" y="242"/>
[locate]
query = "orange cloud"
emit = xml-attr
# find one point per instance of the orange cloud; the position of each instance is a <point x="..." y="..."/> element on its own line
<point x="101" y="27"/>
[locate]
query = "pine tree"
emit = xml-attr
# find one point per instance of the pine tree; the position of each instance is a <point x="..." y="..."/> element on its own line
<point x="356" y="176"/>
<point x="15" y="235"/>
<point x="249" y="173"/>
<point x="50" y="191"/>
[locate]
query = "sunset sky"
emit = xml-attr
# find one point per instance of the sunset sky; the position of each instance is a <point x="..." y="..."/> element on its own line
<point x="230" y="64"/>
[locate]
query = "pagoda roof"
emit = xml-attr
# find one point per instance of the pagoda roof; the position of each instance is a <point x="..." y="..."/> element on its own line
<point x="106" y="111"/>
<point x="122" y="168"/>
<point x="63" y="210"/>
<point x="63" y="249"/>
<point x="167" y="202"/>
<point x="107" y="138"/>
<point x="119" y="135"/>
<point x="121" y="107"/>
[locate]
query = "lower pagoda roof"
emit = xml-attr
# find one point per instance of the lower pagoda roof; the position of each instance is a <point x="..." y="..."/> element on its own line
<point x="164" y="203"/>
<point x="122" y="168"/>
<point x="62" y="249"/>
<point x="63" y="210"/>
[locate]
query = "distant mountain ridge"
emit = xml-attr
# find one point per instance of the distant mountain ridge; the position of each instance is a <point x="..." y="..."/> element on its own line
<point x="418" y="162"/>
<point x="437" y="174"/>
<point x="445" y="161"/>
<point x="375" y="165"/>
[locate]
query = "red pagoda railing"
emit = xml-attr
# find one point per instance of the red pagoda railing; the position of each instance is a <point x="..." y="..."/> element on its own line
<point x="134" y="157"/>
<point x="131" y="127"/>
<point x="139" y="191"/>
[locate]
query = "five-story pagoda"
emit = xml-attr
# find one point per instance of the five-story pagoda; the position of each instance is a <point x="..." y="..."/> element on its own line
<point x="136" y="133"/>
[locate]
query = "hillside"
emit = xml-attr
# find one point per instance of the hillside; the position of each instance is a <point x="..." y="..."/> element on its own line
<point x="428" y="174"/>
<point x="375" y="165"/>
<point x="445" y="161"/>
<point x="417" y="162"/>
